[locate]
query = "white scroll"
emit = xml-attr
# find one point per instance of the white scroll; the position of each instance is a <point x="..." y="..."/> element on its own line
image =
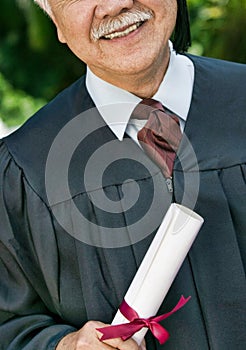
<point x="161" y="264"/>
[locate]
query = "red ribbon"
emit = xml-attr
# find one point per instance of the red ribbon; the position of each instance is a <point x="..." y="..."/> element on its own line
<point x="127" y="330"/>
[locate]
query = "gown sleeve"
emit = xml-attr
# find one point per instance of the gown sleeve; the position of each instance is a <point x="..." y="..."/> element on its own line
<point x="29" y="298"/>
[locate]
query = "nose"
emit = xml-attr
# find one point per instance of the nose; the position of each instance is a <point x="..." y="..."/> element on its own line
<point x="112" y="7"/>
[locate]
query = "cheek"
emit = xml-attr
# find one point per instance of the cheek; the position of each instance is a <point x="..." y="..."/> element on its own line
<point x="167" y="18"/>
<point x="73" y="22"/>
<point x="75" y="36"/>
<point x="168" y="9"/>
<point x="79" y="43"/>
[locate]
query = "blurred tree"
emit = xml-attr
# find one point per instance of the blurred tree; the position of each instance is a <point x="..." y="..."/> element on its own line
<point x="33" y="63"/>
<point x="16" y="105"/>
<point x="218" y="28"/>
<point x="31" y="58"/>
<point x="34" y="66"/>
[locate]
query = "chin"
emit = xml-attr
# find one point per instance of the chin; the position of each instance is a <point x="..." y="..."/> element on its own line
<point x="130" y="67"/>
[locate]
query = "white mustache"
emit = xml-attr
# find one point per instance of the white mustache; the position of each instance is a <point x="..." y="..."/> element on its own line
<point x="117" y="23"/>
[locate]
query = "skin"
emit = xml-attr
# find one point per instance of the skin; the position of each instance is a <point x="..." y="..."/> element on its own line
<point x="88" y="338"/>
<point x="136" y="62"/>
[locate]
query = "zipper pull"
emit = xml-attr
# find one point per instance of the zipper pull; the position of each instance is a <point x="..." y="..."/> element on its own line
<point x="169" y="183"/>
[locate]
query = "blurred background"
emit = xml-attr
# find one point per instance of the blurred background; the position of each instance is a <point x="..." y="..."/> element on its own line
<point x="34" y="66"/>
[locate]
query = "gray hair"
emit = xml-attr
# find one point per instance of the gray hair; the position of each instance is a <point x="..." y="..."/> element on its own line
<point x="44" y="4"/>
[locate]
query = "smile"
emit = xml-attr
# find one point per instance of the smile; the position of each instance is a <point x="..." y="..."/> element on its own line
<point x="122" y="33"/>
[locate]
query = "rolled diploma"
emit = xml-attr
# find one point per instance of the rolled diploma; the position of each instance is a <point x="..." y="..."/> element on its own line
<point x="161" y="264"/>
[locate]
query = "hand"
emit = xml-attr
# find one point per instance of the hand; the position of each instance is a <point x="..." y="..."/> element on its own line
<point x="88" y="338"/>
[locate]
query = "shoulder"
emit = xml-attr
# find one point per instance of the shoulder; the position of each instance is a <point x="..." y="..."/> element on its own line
<point x="29" y="146"/>
<point x="218" y="65"/>
<point x="220" y="71"/>
<point x="45" y="123"/>
<point x="220" y="82"/>
<point x="67" y="103"/>
<point x="216" y="123"/>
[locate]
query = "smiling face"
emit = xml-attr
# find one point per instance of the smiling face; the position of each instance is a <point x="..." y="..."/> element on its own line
<point x="116" y="38"/>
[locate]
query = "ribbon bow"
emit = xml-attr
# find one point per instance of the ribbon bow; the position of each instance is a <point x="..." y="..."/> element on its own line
<point x="127" y="330"/>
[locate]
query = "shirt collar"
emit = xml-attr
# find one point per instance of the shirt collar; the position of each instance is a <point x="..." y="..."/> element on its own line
<point x="116" y="105"/>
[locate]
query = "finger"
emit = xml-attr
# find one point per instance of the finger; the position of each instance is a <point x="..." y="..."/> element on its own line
<point x="89" y="337"/>
<point x="120" y="344"/>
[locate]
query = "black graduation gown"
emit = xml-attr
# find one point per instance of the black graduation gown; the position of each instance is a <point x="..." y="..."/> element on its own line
<point x="52" y="280"/>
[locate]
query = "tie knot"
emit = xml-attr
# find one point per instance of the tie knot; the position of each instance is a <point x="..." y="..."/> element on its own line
<point x="145" y="108"/>
<point x="160" y="136"/>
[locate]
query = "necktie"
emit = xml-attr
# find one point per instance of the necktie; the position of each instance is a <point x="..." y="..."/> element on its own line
<point x="160" y="137"/>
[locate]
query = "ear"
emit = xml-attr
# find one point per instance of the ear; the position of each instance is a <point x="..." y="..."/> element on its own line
<point x="60" y="35"/>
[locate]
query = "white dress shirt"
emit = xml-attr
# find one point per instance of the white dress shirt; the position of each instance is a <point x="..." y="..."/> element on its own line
<point x="116" y="105"/>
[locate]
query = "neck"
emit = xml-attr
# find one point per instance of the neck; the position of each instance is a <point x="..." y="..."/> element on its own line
<point x="143" y="84"/>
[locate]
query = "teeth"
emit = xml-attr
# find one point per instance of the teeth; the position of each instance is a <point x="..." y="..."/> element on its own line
<point x="123" y="33"/>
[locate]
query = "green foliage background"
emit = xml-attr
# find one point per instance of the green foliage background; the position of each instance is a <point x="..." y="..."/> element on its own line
<point x="34" y="66"/>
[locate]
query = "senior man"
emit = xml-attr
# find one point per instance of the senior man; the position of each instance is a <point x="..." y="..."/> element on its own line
<point x="71" y="242"/>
